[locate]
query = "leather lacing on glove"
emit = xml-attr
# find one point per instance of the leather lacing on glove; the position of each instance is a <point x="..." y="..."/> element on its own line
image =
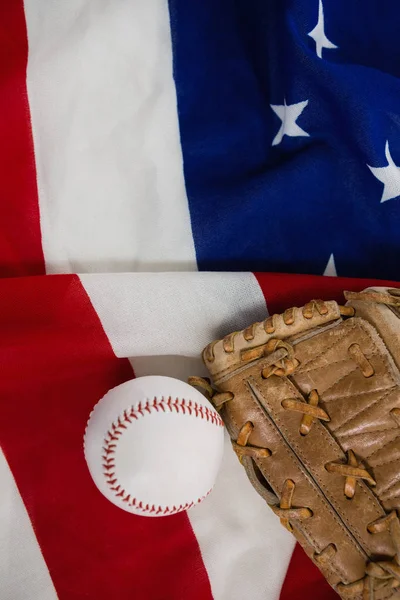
<point x="379" y="575"/>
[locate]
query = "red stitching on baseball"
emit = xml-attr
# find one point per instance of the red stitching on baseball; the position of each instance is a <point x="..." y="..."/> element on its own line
<point x="181" y="406"/>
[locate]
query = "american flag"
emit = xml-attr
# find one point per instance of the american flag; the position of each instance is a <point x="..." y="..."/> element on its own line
<point x="166" y="171"/>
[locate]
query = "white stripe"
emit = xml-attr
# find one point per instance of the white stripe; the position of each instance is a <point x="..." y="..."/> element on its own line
<point x="105" y="128"/>
<point x="157" y="314"/>
<point x="164" y="321"/>
<point x="23" y="572"/>
<point x="245" y="548"/>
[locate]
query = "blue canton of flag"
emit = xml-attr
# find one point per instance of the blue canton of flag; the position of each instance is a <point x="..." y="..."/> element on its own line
<point x="290" y="126"/>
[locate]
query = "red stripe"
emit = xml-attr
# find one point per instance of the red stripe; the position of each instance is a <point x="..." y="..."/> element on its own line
<point x="281" y="291"/>
<point x="56" y="364"/>
<point x="304" y="580"/>
<point x="20" y="243"/>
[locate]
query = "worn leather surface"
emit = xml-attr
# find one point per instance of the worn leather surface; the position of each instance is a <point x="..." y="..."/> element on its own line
<point x="362" y="409"/>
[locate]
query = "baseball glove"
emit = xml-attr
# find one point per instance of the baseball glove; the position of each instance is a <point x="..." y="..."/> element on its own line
<point x="311" y="400"/>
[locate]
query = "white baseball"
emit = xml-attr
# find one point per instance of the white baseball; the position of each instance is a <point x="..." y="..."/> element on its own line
<point x="154" y="446"/>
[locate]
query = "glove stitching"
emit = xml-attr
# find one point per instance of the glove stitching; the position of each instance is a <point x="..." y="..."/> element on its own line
<point x="355" y="417"/>
<point x="328" y="493"/>
<point x="391" y="495"/>
<point x="343" y="328"/>
<point x="232" y="369"/>
<point x="335" y="570"/>
<point x="353" y="435"/>
<point x="396" y="495"/>
<point x="322" y="498"/>
<point x="375" y="352"/>
<point x="335" y="383"/>
<point x="268" y="336"/>
<point x="300" y="370"/>
<point x="336" y="362"/>
<point x="388" y="462"/>
<point x="356" y="395"/>
<point x="334" y="445"/>
<point x="384" y="490"/>
<point x="346" y="333"/>
<point x="331" y="569"/>
<point x="327" y="400"/>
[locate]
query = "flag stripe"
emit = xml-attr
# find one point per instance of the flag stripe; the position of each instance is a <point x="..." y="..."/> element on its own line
<point x="23" y="572"/>
<point x="103" y="104"/>
<point x="20" y="242"/>
<point x="92" y="549"/>
<point x="157" y="314"/>
<point x="243" y="544"/>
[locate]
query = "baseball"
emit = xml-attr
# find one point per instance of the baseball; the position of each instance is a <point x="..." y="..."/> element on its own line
<point x="154" y="446"/>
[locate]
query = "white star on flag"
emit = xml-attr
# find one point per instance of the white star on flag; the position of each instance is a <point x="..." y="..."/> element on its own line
<point x="288" y="114"/>
<point x="318" y="33"/>
<point x="389" y="176"/>
<point x="330" y="269"/>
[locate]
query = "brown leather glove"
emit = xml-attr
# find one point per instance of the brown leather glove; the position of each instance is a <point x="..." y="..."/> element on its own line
<point x="311" y="400"/>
